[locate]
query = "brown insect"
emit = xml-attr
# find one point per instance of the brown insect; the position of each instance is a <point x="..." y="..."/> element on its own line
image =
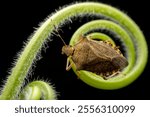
<point x="100" y="57"/>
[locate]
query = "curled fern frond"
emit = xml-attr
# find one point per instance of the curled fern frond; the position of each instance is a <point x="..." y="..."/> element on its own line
<point x="113" y="20"/>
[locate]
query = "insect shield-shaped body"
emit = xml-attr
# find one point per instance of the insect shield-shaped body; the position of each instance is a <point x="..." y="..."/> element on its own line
<point x="99" y="57"/>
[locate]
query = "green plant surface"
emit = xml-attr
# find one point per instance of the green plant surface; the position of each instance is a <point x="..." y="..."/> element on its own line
<point x="120" y="23"/>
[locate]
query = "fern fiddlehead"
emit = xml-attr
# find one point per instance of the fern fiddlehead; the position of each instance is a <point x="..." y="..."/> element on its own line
<point x="117" y="22"/>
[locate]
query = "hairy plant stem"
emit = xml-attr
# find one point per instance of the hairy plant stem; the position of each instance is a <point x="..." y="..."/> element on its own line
<point x="129" y="32"/>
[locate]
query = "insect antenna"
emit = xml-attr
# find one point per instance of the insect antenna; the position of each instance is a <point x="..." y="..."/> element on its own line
<point x="57" y="34"/>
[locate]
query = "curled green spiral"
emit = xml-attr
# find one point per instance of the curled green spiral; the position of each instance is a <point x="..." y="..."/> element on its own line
<point x="37" y="90"/>
<point x="130" y="35"/>
<point x="118" y="22"/>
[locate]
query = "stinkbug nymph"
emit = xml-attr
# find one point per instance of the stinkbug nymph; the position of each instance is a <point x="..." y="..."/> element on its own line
<point x="99" y="57"/>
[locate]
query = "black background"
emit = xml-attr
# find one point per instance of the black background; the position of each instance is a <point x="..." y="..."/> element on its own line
<point x="18" y="20"/>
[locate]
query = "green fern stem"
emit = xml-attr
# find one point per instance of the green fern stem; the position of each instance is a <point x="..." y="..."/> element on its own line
<point x="123" y="26"/>
<point x="37" y="90"/>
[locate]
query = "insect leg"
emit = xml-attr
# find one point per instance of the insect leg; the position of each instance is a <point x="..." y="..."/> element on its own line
<point x="68" y="65"/>
<point x="112" y="75"/>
